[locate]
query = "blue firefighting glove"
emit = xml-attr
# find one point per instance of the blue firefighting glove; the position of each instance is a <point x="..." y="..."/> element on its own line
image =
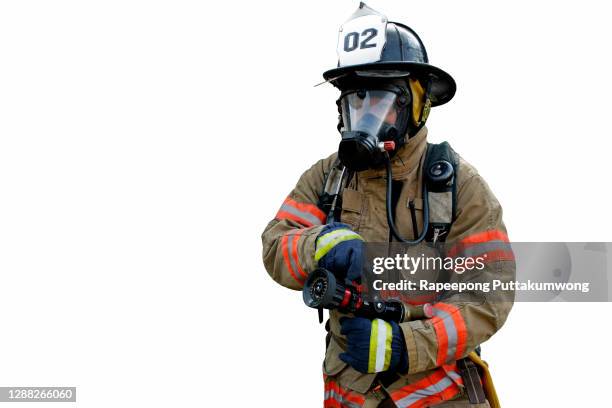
<point x="340" y="250"/>
<point x="374" y="345"/>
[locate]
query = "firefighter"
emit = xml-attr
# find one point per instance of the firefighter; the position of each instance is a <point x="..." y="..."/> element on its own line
<point x="387" y="88"/>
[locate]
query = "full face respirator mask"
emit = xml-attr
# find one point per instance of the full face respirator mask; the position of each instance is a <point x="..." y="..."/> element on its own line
<point x="374" y="123"/>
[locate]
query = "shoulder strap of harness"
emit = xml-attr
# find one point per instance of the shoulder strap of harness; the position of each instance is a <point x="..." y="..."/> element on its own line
<point x="330" y="199"/>
<point x="440" y="178"/>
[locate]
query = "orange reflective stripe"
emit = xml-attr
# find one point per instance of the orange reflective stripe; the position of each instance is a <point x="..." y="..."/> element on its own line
<point x="487" y="242"/>
<point x="440" y="329"/>
<point x="422" y="383"/>
<point x="302" y="213"/>
<point x="331" y="403"/>
<point x="459" y="324"/>
<point x="348" y="395"/>
<point x="337" y="397"/>
<point x="428" y="391"/>
<point x="288" y="261"/>
<point x="451" y="371"/>
<point x="309" y="208"/>
<point x="451" y="332"/>
<point x="489" y="235"/>
<point x="446" y="394"/>
<point x="294" y="253"/>
<point x="283" y="215"/>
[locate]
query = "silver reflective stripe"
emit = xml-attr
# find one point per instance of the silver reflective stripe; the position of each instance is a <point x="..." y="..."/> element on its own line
<point x="333" y="394"/>
<point x="424" y="393"/>
<point x="451" y="333"/>
<point x="481" y="248"/>
<point x="381" y="344"/>
<point x="453" y="374"/>
<point x="304" y="215"/>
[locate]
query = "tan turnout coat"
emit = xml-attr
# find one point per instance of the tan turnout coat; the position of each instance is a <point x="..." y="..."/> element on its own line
<point x="433" y="345"/>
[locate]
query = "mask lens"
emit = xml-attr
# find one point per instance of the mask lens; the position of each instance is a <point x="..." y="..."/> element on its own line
<point x="368" y="111"/>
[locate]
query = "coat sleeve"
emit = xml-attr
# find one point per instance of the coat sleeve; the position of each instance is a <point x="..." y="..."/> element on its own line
<point x="460" y="323"/>
<point x="289" y="239"/>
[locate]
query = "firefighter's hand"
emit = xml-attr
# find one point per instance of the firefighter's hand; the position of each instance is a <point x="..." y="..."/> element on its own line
<point x="373" y="345"/>
<point x="340" y="250"/>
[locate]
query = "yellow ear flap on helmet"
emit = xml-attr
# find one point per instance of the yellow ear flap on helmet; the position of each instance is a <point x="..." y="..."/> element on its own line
<point x="421" y="104"/>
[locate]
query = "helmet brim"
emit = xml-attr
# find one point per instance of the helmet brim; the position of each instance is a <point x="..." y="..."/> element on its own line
<point x="443" y="86"/>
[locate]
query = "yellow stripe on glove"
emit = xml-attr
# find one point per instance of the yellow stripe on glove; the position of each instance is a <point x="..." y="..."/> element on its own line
<point x="327" y="241"/>
<point x="381" y="336"/>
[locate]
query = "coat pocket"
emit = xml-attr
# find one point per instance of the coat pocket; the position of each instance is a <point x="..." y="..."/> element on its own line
<point x="353" y="208"/>
<point x="332" y="364"/>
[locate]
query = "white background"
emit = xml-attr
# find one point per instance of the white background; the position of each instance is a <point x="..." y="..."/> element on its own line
<point x="144" y="146"/>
